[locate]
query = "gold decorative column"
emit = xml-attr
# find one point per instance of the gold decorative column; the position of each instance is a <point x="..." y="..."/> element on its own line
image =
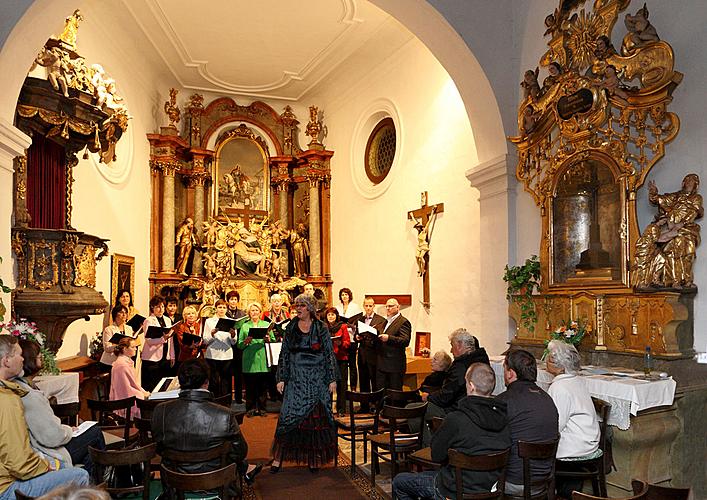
<point x="22" y="217"/>
<point x="281" y="185"/>
<point x="197" y="179"/>
<point x="168" y="231"/>
<point x="315" y="248"/>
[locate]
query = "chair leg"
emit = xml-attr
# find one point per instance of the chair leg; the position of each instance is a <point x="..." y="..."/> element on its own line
<point x="353" y="452"/>
<point x="336" y="453"/>
<point x="365" y="447"/>
<point x="602" y="478"/>
<point x="374" y="464"/>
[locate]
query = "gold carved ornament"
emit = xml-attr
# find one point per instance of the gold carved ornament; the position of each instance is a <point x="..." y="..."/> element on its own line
<point x="43" y="269"/>
<point x="85" y="265"/>
<point x="589" y="102"/>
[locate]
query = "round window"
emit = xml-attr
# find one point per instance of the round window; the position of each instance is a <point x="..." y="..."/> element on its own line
<point x="380" y="150"/>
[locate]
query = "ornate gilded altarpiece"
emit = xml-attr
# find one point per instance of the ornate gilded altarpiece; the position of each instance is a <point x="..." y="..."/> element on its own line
<point x="589" y="136"/>
<point x="237" y="203"/>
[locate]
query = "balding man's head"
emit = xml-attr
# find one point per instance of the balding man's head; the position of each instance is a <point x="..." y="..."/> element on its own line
<point x="392" y="307"/>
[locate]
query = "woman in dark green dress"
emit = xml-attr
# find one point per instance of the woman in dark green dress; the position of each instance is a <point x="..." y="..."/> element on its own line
<point x="306" y="376"/>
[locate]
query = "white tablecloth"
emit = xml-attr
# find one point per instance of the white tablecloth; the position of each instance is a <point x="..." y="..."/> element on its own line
<point x="64" y="387"/>
<point x="627" y="395"/>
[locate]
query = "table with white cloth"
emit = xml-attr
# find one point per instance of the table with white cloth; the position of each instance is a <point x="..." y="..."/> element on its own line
<point x="627" y="393"/>
<point x="64" y="387"/>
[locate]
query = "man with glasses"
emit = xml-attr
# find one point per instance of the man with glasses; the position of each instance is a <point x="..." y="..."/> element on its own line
<point x="390" y="359"/>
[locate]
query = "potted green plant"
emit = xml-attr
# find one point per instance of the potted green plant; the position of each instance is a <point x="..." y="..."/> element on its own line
<point x="522" y="281"/>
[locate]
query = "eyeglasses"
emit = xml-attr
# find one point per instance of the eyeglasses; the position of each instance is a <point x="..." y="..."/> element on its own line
<point x="390" y="306"/>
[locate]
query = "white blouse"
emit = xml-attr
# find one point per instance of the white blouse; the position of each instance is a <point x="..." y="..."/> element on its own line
<point x="218" y="344"/>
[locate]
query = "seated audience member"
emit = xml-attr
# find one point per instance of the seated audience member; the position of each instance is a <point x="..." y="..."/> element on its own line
<point x="577" y="418"/>
<point x="21" y="467"/>
<point x="532" y="416"/>
<point x="193" y="422"/>
<point x="47" y="435"/>
<point x="157" y="354"/>
<point x="123" y="378"/>
<point x="433" y="382"/>
<point x="477" y="426"/>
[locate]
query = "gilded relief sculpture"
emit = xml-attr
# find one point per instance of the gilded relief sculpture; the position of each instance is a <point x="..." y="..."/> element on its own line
<point x="665" y="251"/>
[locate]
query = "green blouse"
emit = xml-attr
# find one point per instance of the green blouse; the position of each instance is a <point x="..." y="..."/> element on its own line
<point x="254" y="360"/>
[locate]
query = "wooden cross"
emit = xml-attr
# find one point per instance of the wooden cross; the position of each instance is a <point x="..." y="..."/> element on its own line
<point x="424" y="218"/>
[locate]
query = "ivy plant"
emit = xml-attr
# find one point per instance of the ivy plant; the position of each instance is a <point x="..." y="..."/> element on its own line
<point x="522" y="281"/>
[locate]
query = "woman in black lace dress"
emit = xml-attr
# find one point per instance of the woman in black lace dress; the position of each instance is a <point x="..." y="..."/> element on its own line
<point x="306" y="377"/>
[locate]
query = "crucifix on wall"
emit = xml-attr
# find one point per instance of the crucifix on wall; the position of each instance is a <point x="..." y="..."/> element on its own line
<point x="424" y="218"/>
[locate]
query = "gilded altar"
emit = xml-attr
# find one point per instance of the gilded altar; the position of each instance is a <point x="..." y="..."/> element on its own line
<point x="589" y="136"/>
<point x="237" y="203"/>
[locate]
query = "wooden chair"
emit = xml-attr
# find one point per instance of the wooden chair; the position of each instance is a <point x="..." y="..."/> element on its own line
<point x="541" y="488"/>
<point x="642" y="494"/>
<point x="175" y="458"/>
<point x="147" y="407"/>
<point x="393" y="397"/>
<point x="353" y="425"/>
<point x="484" y="463"/>
<point x="594" y="468"/>
<point x="102" y="383"/>
<point x="206" y="481"/>
<point x="224" y="400"/>
<point x="393" y="444"/>
<point x="656" y="492"/>
<point x="422" y="459"/>
<point x="118" y="430"/>
<point x="117" y="458"/>
<point x="68" y="413"/>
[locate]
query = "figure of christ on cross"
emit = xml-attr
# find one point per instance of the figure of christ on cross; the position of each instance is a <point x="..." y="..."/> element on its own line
<point x="424" y="218"/>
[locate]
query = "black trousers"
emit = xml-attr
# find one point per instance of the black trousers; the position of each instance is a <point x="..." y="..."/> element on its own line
<point x="220" y="380"/>
<point x="389" y="380"/>
<point x="78" y="447"/>
<point x="237" y="369"/>
<point x="341" y="384"/>
<point x="366" y="374"/>
<point x="353" y="370"/>
<point x="256" y="390"/>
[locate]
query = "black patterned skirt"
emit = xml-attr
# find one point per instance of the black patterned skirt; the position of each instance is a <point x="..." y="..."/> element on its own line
<point x="313" y="442"/>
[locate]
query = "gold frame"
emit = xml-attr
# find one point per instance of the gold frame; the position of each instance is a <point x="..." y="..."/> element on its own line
<point x="116" y="261"/>
<point x="240" y="133"/>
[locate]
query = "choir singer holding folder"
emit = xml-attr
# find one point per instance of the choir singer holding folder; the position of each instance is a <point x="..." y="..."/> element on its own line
<point x="251" y="339"/>
<point x="219" y="337"/>
<point x="158" y="352"/>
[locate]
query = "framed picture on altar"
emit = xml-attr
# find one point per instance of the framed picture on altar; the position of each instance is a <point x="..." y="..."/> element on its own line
<point x="122" y="276"/>
<point x="422" y="340"/>
<point x="241" y="174"/>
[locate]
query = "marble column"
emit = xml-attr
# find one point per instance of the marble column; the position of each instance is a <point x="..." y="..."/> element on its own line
<point x="315" y="247"/>
<point x="168" y="229"/>
<point x="282" y="194"/>
<point x="197" y="180"/>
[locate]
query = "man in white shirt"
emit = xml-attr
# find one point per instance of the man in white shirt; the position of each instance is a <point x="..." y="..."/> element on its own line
<point x="390" y="348"/>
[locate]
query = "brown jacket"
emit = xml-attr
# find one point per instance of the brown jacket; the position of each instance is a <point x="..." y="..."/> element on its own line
<point x="17" y="459"/>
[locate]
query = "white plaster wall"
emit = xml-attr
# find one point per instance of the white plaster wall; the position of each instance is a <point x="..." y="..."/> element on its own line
<point x="373" y="243"/>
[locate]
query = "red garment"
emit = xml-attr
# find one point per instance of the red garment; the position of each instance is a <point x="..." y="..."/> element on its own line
<point x="279" y="317"/>
<point x="341" y="345"/>
<point x="187" y="351"/>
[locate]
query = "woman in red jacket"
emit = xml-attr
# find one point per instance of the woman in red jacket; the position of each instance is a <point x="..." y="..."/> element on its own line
<point x="341" y="340"/>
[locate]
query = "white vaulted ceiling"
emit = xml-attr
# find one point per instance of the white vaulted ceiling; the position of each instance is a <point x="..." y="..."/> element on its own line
<point x="279" y="49"/>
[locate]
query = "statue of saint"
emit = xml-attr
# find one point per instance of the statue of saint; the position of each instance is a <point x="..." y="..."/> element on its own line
<point x="186" y="239"/>
<point x="300" y="250"/>
<point x="665" y="252"/>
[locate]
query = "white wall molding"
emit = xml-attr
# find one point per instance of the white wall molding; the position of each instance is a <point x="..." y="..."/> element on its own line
<point x="13" y="142"/>
<point x="494" y="177"/>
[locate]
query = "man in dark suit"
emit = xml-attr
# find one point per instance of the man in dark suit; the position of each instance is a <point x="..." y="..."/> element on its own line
<point x="390" y="360"/>
<point x="367" y="346"/>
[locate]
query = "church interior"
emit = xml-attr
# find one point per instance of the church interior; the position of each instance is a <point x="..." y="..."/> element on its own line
<point x="399" y="148"/>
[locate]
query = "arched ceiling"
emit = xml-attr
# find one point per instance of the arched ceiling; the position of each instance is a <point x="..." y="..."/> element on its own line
<point x="269" y="48"/>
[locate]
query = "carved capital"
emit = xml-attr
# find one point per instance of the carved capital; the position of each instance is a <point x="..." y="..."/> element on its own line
<point x="197" y="178"/>
<point x="314" y="178"/>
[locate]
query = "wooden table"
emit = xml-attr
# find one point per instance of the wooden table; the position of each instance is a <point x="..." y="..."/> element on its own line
<point x="417" y="369"/>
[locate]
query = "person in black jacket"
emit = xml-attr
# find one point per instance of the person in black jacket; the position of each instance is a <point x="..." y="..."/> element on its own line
<point x="532" y="416"/>
<point x="193" y="422"/>
<point x="477" y="426"/>
<point x="466" y="350"/>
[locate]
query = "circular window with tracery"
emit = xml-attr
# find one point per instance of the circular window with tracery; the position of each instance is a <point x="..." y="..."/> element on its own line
<point x="380" y="151"/>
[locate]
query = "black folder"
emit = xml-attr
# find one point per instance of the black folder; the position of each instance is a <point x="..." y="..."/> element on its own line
<point x="136" y="322"/>
<point x="258" y="333"/>
<point x="155" y="332"/>
<point x="117" y="337"/>
<point x="190" y="338"/>
<point x="225" y="325"/>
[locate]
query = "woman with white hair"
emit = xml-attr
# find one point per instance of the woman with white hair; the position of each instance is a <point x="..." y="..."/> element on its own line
<point x="255" y="367"/>
<point x="578" y="424"/>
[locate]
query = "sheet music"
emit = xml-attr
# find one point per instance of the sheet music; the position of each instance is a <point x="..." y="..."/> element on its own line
<point x="272" y="353"/>
<point x="364" y="328"/>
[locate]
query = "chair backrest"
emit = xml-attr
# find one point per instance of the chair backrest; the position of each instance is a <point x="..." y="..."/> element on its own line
<point x="68" y="413"/>
<point x="116" y="458"/>
<point x="224" y="400"/>
<point x="395" y="414"/>
<point x="482" y="463"/>
<point x="102" y="382"/>
<point x="545" y="450"/>
<point x="365" y="398"/>
<point x="144" y="427"/>
<point x="643" y="494"/>
<point x="101" y="410"/>
<point x="394" y="397"/>
<point x="656" y="492"/>
<point x="217" y="479"/>
<point x="147" y="407"/>
<point x="602" y="408"/>
<point x="193" y="457"/>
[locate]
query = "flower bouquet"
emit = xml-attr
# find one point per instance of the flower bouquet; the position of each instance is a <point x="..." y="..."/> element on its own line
<point x="27" y="330"/>
<point x="570" y="332"/>
<point x="95" y="348"/>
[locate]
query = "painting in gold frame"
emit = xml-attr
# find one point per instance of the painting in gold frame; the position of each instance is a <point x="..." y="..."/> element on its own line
<point x="122" y="276"/>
